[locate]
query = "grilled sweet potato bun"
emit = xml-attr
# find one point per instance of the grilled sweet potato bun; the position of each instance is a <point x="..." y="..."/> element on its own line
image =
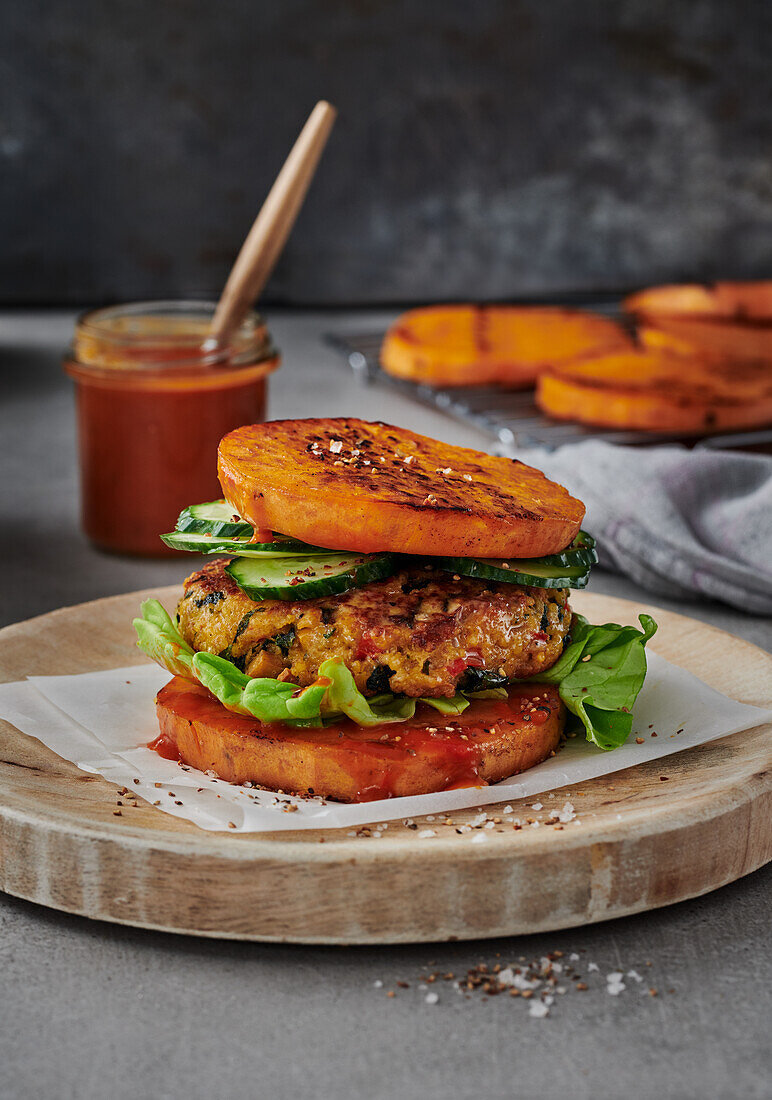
<point x="353" y="485"/>
<point x="654" y="390"/>
<point x="468" y="345"/>
<point x="493" y="739"/>
<point x="421" y="632"/>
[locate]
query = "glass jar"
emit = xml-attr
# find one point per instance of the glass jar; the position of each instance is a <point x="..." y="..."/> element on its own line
<point x="154" y="397"/>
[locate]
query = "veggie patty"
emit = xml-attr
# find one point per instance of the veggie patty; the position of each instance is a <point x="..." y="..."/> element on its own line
<point x="421" y="632"/>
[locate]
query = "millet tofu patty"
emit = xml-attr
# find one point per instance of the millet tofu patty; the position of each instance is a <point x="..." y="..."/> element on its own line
<point x="421" y="632"/>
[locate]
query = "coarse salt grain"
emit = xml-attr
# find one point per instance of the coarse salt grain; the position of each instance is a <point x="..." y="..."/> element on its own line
<point x="478" y="837"/>
<point x="432" y="998"/>
<point x="425" y="833"/>
<point x="537" y="806"/>
<point x="615" y="985"/>
<point x="336" y="446"/>
<point x="538" y="1009"/>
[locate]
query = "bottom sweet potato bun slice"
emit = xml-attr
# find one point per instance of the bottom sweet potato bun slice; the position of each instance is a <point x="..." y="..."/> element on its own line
<point x="492" y="739"/>
<point x="656" y="391"/>
<point x="368" y="487"/>
<point x="469" y="345"/>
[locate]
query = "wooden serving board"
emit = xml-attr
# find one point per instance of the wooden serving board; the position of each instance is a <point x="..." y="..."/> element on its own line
<point x="641" y="843"/>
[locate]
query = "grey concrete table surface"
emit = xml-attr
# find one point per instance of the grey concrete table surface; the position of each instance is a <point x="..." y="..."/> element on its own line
<point x="89" y="1010"/>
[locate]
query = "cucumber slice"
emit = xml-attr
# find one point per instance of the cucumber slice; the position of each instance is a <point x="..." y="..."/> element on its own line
<point x="218" y="544"/>
<point x="214" y="518"/>
<point x="581" y="552"/>
<point x="309" y="577"/>
<point x="532" y="571"/>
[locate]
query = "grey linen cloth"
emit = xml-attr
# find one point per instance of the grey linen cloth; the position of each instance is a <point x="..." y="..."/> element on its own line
<point x="680" y="522"/>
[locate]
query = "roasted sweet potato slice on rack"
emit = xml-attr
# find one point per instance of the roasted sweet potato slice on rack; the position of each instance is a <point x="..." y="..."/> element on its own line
<point x="650" y="390"/>
<point x="467" y="345"/>
<point x="351" y="764"/>
<point x="726" y="301"/>
<point x="722" y="321"/>
<point x="353" y="485"/>
<point x="711" y="339"/>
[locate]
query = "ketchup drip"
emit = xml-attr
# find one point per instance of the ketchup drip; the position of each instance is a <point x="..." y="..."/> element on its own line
<point x="165" y="746"/>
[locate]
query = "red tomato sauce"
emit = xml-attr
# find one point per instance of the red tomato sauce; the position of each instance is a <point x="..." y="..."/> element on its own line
<point x="151" y="411"/>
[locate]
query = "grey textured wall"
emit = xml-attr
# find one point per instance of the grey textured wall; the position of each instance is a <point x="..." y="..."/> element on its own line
<point x="484" y="149"/>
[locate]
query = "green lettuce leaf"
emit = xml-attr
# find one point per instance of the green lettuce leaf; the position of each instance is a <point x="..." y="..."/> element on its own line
<point x="344" y="697"/>
<point x="159" y="638"/>
<point x="600" y="675"/>
<point x="265" y="699"/>
<point x="333" y="693"/>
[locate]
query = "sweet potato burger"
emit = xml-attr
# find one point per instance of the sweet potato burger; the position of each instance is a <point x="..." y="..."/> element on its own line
<point x="387" y="615"/>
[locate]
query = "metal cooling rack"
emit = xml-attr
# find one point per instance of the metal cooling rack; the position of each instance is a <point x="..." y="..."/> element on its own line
<point x="510" y="418"/>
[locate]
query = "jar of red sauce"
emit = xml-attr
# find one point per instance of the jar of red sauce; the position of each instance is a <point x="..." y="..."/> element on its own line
<point x="154" y="397"/>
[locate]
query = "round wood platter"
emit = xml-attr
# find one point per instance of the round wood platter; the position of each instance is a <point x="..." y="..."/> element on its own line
<point x="640" y="844"/>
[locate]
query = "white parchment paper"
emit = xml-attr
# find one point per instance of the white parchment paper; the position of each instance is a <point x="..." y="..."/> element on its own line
<point x="102" y="721"/>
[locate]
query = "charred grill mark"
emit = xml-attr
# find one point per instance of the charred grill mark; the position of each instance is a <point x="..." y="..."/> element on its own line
<point x="480" y="327"/>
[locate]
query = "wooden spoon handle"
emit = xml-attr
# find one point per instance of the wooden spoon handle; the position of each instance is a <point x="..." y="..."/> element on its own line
<point x="272" y="226"/>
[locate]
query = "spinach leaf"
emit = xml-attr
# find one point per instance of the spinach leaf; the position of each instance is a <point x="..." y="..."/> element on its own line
<point x="600" y="675"/>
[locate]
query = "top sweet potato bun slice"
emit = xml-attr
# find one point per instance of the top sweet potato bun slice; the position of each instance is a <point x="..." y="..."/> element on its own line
<point x="467" y="345"/>
<point x="353" y="485"/>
